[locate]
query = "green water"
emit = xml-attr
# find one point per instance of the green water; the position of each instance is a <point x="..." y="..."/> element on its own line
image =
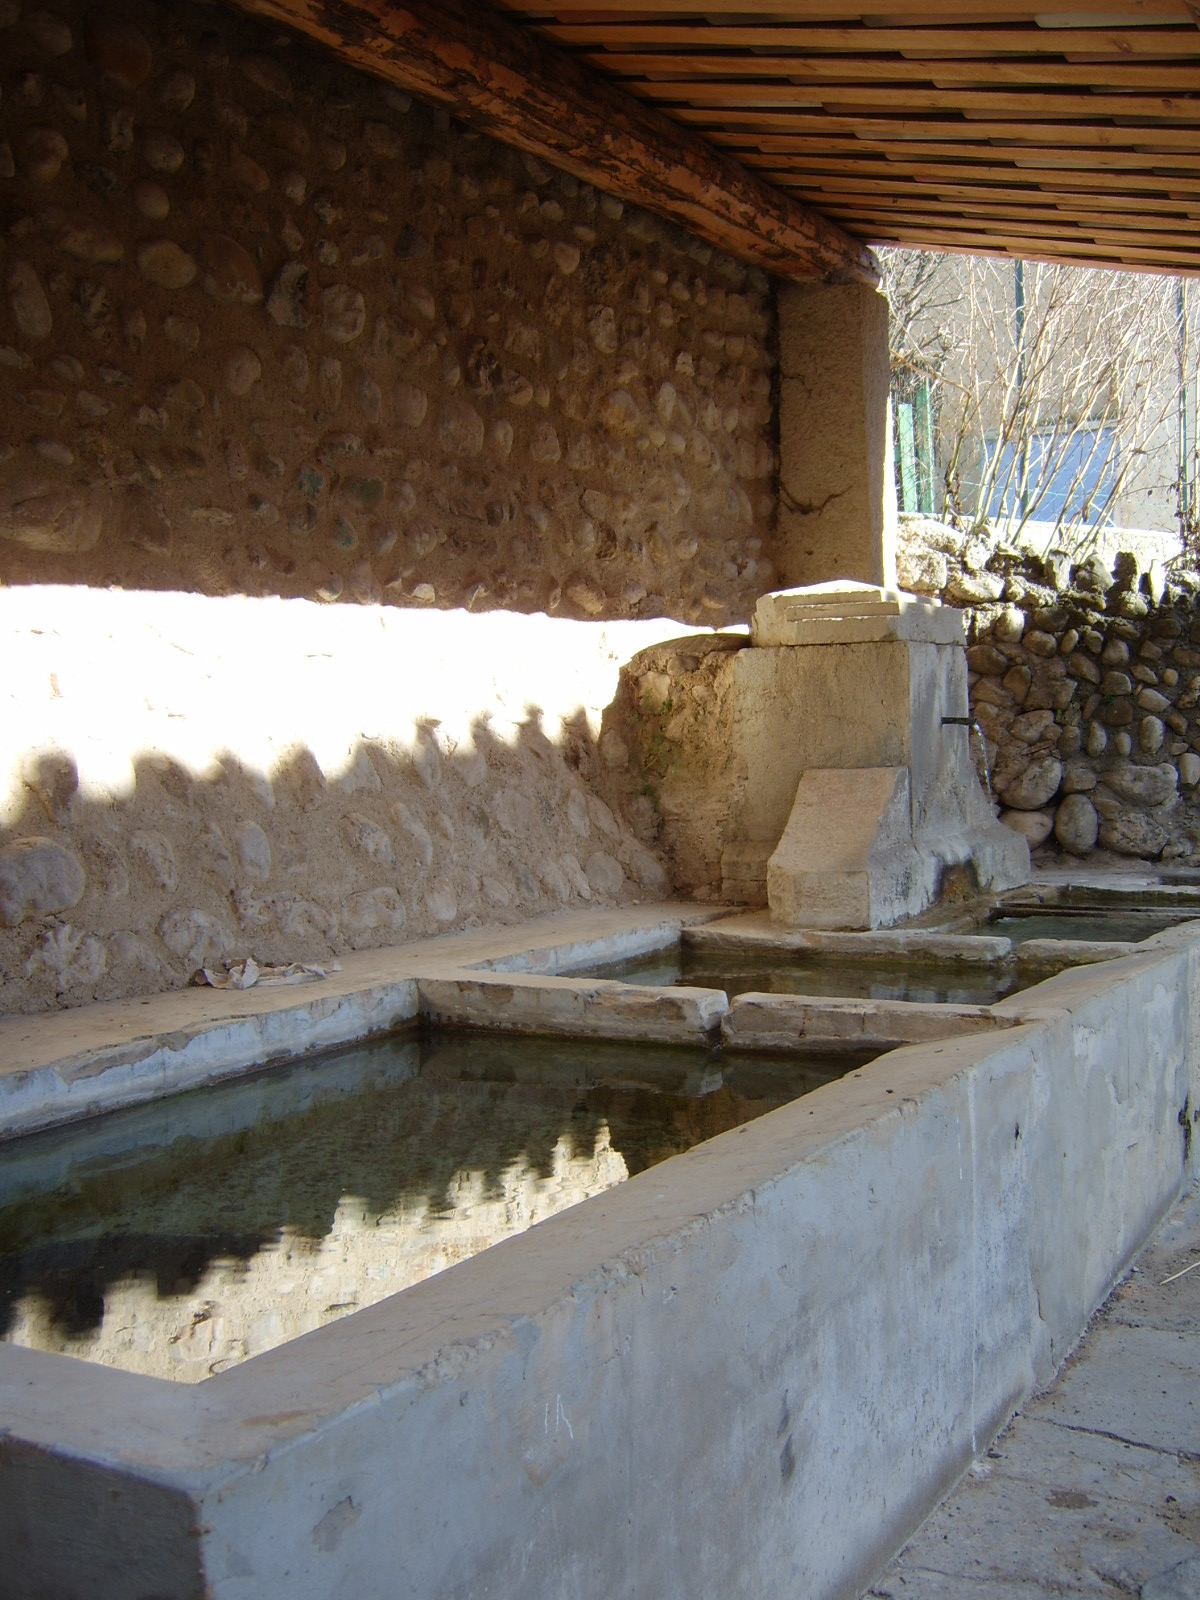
<point x="836" y="976"/>
<point x="182" y="1237"/>
<point x="1081" y="924"/>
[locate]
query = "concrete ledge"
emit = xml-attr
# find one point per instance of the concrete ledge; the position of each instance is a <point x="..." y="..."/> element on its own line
<point x="760" y="1363"/>
<point x="785" y="1021"/>
<point x="127" y="1073"/>
<point x="1053" y="955"/>
<point x="595" y="1008"/>
<point x="76" y="1063"/>
<point x="757" y="935"/>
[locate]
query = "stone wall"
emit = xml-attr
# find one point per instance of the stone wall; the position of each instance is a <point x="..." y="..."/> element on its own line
<point x="1085" y="689"/>
<point x="267" y="326"/>
<point x="188" y="782"/>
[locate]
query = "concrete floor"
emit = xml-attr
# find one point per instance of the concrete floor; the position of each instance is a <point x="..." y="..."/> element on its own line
<point x="1094" y="1488"/>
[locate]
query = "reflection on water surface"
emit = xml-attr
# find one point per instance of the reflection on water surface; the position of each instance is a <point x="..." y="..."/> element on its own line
<point x="180" y="1238"/>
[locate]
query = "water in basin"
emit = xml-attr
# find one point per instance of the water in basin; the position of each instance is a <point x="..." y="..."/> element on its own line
<point x="1081" y="923"/>
<point x="837" y="976"/>
<point x="181" y="1237"/>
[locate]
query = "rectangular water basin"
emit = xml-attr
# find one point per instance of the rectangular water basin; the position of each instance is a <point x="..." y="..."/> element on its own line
<point x="179" y="1238"/>
<point x="767" y="971"/>
<point x="1102" y="924"/>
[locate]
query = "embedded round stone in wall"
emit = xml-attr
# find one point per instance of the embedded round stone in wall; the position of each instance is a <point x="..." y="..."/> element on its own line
<point x="1035" y="826"/>
<point x="230" y="273"/>
<point x="254" y="852"/>
<point x="88" y="241"/>
<point x="544" y="447"/>
<point x="1031" y="727"/>
<point x="286" y="132"/>
<point x="42" y="153"/>
<point x="1143" y="786"/>
<point x="285" y="303"/>
<point x="1039" y="643"/>
<point x="54" y="778"/>
<point x="604" y="875"/>
<point x="1009" y="625"/>
<point x="116" y="48"/>
<point x="267" y="74"/>
<point x="37" y="878"/>
<point x="55" y="521"/>
<point x="410" y="405"/>
<point x="1033" y="787"/>
<point x="165" y="263"/>
<point x="1116" y="713"/>
<point x="162" y="152"/>
<point x="49" y="32"/>
<point x="154" y="854"/>
<point x="194" y="936"/>
<point x="1189" y="770"/>
<point x="243" y="369"/>
<point x="369" y="839"/>
<point x="1076" y="824"/>
<point x="1133" y="833"/>
<point x="343" y="313"/>
<point x="152" y="200"/>
<point x="177" y="91"/>
<point x="246" y="172"/>
<point x="28" y="301"/>
<point x="460" y="429"/>
<point x="1151" y="734"/>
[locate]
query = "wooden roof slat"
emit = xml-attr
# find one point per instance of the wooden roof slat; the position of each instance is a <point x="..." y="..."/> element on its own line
<point x="889" y="131"/>
<point x="787" y="132"/>
<point x="848" y="73"/>
<point x="1070" y="12"/>
<point x="509" y="82"/>
<point x="907" y="100"/>
<point x="1166" y="42"/>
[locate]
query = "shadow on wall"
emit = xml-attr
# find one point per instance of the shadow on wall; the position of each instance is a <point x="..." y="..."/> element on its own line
<point x="101" y="899"/>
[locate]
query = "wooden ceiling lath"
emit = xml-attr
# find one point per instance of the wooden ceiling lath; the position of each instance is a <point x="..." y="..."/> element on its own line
<point x="795" y="135"/>
<point x="1071" y="133"/>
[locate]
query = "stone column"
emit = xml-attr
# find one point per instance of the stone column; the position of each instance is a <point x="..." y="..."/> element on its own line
<point x="837" y="494"/>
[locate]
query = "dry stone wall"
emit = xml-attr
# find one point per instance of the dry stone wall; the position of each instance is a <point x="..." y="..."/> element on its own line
<point x="1085" y="690"/>
<point x="268" y="326"/>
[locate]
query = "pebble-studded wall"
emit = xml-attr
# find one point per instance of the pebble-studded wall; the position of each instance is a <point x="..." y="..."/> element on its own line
<point x="268" y="326"/>
<point x="1084" y="687"/>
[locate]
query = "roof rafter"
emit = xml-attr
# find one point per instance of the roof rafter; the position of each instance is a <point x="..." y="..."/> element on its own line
<point x="509" y="82"/>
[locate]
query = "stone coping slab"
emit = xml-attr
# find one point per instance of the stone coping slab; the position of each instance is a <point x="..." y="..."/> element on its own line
<point x="594" y="1008"/>
<point x="63" y="1065"/>
<point x="846" y="612"/>
<point x="754" y="932"/>
<point x="788" y="1021"/>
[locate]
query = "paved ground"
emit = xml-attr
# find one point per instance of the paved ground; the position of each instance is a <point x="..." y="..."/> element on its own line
<point x="1094" y="1488"/>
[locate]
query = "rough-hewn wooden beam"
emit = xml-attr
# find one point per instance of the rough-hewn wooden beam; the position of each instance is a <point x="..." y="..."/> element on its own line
<point x="512" y="84"/>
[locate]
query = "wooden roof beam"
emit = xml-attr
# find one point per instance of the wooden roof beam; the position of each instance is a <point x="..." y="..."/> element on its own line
<point x="508" y="82"/>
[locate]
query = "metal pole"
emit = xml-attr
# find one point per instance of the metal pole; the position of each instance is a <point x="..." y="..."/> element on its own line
<point x="1019" y="324"/>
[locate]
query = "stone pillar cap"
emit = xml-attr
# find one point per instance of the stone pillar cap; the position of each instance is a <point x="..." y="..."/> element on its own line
<point x="846" y="612"/>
